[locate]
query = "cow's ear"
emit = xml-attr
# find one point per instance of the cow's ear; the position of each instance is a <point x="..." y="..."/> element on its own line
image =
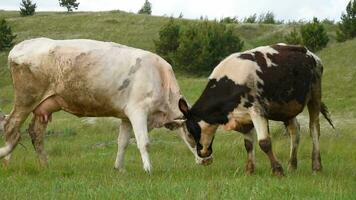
<point x="183" y="107"/>
<point x="175" y="124"/>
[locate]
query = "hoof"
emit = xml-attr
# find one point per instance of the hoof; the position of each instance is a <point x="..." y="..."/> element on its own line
<point x="6" y="163"/>
<point x="250" y="168"/>
<point x="120" y="170"/>
<point x="277" y="170"/>
<point x="292" y="165"/>
<point x="317" y="167"/>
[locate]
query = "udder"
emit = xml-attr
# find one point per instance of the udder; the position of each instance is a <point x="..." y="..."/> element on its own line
<point x="46" y="108"/>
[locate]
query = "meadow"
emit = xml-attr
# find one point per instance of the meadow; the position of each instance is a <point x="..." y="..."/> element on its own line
<point x="82" y="154"/>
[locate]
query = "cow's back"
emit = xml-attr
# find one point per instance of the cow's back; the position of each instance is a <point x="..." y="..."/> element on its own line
<point x="277" y="80"/>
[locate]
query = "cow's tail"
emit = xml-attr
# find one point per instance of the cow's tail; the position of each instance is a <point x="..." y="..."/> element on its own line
<point x="324" y="110"/>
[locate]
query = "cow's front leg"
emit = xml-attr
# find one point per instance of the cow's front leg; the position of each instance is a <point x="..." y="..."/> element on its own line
<point x="138" y="119"/>
<point x="122" y="142"/>
<point x="249" y="146"/>
<point x="261" y="125"/>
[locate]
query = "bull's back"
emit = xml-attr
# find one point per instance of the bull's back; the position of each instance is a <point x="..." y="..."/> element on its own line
<point x="88" y="78"/>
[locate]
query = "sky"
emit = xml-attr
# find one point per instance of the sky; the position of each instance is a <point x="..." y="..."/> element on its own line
<point x="193" y="9"/>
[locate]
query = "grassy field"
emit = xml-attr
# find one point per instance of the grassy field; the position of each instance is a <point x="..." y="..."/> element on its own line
<point x="82" y="155"/>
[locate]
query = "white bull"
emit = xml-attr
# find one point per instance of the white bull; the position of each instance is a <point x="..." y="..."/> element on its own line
<point x="94" y="79"/>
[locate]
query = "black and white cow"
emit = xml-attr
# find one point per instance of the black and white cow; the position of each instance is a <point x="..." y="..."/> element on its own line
<point x="247" y="89"/>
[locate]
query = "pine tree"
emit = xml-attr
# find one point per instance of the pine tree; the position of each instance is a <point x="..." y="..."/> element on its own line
<point x="146" y="8"/>
<point x="347" y="26"/>
<point x="69" y="4"/>
<point x="6" y="36"/>
<point x="27" y="8"/>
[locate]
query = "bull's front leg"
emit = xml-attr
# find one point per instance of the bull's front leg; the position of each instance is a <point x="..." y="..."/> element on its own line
<point x="261" y="125"/>
<point x="138" y="119"/>
<point x="122" y="142"/>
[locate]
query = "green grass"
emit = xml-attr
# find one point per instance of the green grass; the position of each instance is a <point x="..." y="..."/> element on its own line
<point x="82" y="155"/>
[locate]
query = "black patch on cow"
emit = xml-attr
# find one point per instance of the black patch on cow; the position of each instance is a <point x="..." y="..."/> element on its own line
<point x="245" y="128"/>
<point x="194" y="128"/>
<point x="289" y="80"/>
<point x="290" y="48"/>
<point x="135" y="67"/>
<point x="247" y="56"/>
<point x="124" y="84"/>
<point x="247" y="104"/>
<point x="218" y="99"/>
<point x="250" y="98"/>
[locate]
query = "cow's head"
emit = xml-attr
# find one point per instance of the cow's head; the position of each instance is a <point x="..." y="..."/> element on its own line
<point x="200" y="133"/>
<point x="188" y="137"/>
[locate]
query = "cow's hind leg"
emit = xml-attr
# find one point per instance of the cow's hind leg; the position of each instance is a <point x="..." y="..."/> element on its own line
<point x="36" y="130"/>
<point x="249" y="146"/>
<point x="138" y="119"/>
<point x="122" y="142"/>
<point x="12" y="131"/>
<point x="294" y="130"/>
<point x="314" y="128"/>
<point x="261" y="125"/>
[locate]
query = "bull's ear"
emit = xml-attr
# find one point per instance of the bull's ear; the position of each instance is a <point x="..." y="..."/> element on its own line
<point x="183" y="107"/>
<point x="177" y="123"/>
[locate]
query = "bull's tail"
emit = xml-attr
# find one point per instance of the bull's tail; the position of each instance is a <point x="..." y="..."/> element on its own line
<point x="324" y="110"/>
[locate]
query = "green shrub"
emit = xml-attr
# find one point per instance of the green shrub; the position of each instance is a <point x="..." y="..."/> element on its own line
<point x="168" y="41"/>
<point x="229" y="20"/>
<point x="6" y="36"/>
<point x="27" y="8"/>
<point x="294" y="37"/>
<point x="267" y="18"/>
<point x="347" y="26"/>
<point x="203" y="45"/>
<point x="251" y="19"/>
<point x="314" y="35"/>
<point x="198" y="47"/>
<point x="146" y="8"/>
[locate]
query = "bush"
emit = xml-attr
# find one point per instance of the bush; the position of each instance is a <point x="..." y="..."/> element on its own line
<point x="198" y="47"/>
<point x="267" y="18"/>
<point x="146" y="8"/>
<point x="294" y="37"/>
<point x="168" y="41"/>
<point x="251" y="19"/>
<point x="314" y="35"/>
<point x="69" y="4"/>
<point x="347" y="26"/>
<point x="203" y="45"/>
<point x="6" y="36"/>
<point x="229" y="20"/>
<point x="27" y="8"/>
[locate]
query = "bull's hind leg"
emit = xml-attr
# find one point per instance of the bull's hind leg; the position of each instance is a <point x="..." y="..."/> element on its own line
<point x="314" y="128"/>
<point x="12" y="131"/>
<point x="37" y="130"/>
<point x="293" y="129"/>
<point x="122" y="142"/>
<point x="249" y="146"/>
<point x="261" y="125"/>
